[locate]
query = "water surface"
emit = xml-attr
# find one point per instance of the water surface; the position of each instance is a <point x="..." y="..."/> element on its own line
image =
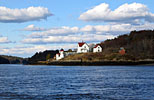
<point x="23" y="82"/>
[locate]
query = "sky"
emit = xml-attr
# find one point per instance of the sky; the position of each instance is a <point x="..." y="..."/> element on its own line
<point x="30" y="26"/>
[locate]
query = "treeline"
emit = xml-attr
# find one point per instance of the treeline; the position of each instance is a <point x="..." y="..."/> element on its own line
<point x="4" y="59"/>
<point x="139" y="44"/>
<point x="42" y="56"/>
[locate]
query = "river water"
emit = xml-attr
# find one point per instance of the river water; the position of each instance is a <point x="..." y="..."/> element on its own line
<point x="25" y="82"/>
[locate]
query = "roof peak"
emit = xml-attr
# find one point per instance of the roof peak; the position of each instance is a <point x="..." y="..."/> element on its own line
<point x="62" y="50"/>
<point x="81" y="44"/>
<point x="97" y="45"/>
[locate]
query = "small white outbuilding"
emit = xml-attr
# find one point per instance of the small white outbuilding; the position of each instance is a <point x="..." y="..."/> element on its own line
<point x="97" y="48"/>
<point x="60" y="55"/>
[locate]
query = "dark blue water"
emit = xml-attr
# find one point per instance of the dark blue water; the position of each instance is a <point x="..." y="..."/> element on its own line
<point x="21" y="82"/>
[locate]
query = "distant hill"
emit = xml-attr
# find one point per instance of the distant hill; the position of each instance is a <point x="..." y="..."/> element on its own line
<point x="42" y="56"/>
<point x="4" y="59"/>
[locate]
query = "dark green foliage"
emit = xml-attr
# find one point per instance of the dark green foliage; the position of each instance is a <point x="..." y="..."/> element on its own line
<point x="16" y="61"/>
<point x="4" y="60"/>
<point x="42" y="56"/>
<point x="25" y="61"/>
<point x="11" y="60"/>
<point x="48" y="56"/>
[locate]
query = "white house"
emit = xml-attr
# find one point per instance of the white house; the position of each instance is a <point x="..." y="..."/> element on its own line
<point x="97" y="48"/>
<point x="60" y="55"/>
<point x="82" y="47"/>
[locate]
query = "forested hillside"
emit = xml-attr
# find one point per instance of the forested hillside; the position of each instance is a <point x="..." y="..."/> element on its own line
<point x="139" y="44"/>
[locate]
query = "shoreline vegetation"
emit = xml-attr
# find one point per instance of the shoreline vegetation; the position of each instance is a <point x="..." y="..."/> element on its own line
<point x="138" y="46"/>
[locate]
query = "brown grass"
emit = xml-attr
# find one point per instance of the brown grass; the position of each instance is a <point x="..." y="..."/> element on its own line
<point x="100" y="57"/>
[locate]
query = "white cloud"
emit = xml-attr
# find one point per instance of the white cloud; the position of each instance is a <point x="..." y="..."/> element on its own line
<point x="8" y="15"/>
<point x="33" y="28"/>
<point x="28" y="51"/>
<point x="88" y="33"/>
<point x="56" y="31"/>
<point x="4" y="40"/>
<point x="68" y="39"/>
<point x="134" y="13"/>
<point x="116" y="29"/>
<point x="106" y="29"/>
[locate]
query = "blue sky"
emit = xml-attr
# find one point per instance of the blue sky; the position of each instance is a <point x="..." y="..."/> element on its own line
<point x="29" y="26"/>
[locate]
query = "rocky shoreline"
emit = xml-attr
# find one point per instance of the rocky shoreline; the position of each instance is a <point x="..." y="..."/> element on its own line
<point x="95" y="63"/>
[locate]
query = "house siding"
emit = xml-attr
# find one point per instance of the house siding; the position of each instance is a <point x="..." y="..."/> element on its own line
<point x="83" y="49"/>
<point x="97" y="49"/>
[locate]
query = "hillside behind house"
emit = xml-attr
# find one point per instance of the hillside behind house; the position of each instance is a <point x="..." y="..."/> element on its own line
<point x="138" y="44"/>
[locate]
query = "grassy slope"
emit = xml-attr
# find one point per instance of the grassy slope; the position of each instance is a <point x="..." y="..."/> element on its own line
<point x="100" y="57"/>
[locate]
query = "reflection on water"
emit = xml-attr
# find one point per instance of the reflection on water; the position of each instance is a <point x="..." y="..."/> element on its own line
<point x="22" y="82"/>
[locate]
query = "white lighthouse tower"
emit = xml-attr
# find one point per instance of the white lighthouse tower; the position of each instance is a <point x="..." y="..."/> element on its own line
<point x="60" y="55"/>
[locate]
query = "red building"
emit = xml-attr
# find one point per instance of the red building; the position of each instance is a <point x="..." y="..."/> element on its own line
<point x="122" y="51"/>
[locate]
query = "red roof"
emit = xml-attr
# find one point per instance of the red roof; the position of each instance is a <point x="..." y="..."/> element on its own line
<point x="96" y="45"/>
<point x="62" y="50"/>
<point x="81" y="44"/>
